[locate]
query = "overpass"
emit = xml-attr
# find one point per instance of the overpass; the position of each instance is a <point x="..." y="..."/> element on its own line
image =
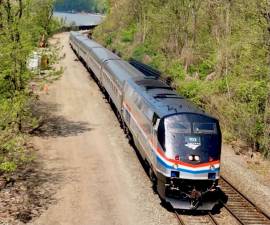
<point x="81" y="21"/>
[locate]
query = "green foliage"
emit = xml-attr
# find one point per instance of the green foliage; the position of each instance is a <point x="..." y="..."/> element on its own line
<point x="128" y="34"/>
<point x="8" y="166"/>
<point x="203" y="69"/>
<point x="140" y="51"/>
<point x="109" y="40"/>
<point x="217" y="53"/>
<point x="22" y="25"/>
<point x="176" y="70"/>
<point x="145" y="50"/>
<point x="158" y="61"/>
<point x="251" y="92"/>
<point x="191" y="90"/>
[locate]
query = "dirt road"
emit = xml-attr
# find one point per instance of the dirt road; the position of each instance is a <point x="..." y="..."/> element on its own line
<point x="100" y="179"/>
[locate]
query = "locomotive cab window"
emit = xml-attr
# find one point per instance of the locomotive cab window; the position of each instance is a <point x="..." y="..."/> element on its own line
<point x="204" y="128"/>
<point x="155" y="121"/>
<point x="148" y="112"/>
<point x="180" y="127"/>
<point x="171" y="133"/>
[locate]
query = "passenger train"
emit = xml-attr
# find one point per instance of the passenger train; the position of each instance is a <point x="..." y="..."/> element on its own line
<point x="180" y="143"/>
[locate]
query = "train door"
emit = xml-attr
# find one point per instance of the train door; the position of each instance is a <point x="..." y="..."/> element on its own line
<point x="147" y="114"/>
<point x="154" y="139"/>
<point x="126" y="109"/>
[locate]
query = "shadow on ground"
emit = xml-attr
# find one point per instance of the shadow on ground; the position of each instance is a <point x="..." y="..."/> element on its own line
<point x="28" y="192"/>
<point x="53" y="125"/>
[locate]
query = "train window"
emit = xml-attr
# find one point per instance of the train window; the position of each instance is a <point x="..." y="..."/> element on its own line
<point x="155" y="118"/>
<point x="155" y="121"/>
<point x="129" y="92"/>
<point x="139" y="102"/>
<point x="148" y="112"/>
<point x="111" y="83"/>
<point x="180" y="127"/>
<point x="161" y="135"/>
<point x="205" y="128"/>
<point x="135" y="98"/>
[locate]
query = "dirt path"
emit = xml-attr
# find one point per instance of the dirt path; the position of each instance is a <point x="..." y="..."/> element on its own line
<point x="101" y="180"/>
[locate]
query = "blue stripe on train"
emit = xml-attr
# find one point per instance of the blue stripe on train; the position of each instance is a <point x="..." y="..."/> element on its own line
<point x="186" y="170"/>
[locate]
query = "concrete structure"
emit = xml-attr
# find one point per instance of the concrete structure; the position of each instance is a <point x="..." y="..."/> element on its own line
<point x="80" y="20"/>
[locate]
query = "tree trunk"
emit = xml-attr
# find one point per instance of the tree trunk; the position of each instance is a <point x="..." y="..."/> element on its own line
<point x="266" y="136"/>
<point x="227" y="36"/>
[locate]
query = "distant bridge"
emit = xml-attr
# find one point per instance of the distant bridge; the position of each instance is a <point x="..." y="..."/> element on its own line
<point x="81" y="21"/>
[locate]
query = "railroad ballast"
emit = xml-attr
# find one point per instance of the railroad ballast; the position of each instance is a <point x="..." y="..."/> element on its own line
<point x="180" y="143"/>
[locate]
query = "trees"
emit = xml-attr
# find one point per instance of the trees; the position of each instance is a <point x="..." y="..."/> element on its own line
<point x="80" y="5"/>
<point x="217" y="53"/>
<point x="21" y="26"/>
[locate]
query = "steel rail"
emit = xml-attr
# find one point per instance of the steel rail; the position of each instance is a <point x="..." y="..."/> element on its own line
<point x="204" y="219"/>
<point x="241" y="207"/>
<point x="180" y="221"/>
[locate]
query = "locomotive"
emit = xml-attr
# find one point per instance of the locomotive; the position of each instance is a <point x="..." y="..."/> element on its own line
<point x="179" y="143"/>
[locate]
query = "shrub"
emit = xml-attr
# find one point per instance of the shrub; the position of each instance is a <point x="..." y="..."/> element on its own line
<point x="176" y="70"/>
<point x="128" y="34"/>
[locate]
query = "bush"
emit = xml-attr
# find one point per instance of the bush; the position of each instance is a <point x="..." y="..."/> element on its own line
<point x="140" y="51"/>
<point x="203" y="69"/>
<point x="128" y="34"/>
<point x="176" y="70"/>
<point x="191" y="90"/>
<point x="109" y="40"/>
<point x="12" y="151"/>
<point x="8" y="167"/>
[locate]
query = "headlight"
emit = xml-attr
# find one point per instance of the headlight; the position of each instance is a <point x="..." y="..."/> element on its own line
<point x="175" y="174"/>
<point x="211" y="176"/>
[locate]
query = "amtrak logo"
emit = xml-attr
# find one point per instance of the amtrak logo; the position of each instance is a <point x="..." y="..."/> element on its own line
<point x="193" y="146"/>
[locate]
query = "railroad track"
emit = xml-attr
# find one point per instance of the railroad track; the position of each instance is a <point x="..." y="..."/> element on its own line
<point x="238" y="206"/>
<point x="241" y="208"/>
<point x="207" y="219"/>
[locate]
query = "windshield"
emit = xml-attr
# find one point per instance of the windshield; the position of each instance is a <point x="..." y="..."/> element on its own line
<point x="185" y="135"/>
<point x="179" y="128"/>
<point x="205" y="128"/>
<point x="173" y="128"/>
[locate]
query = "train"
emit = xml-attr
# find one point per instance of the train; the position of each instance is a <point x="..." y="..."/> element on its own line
<point x="179" y="143"/>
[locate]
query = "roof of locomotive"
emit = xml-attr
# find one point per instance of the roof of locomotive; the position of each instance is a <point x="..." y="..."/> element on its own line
<point x="164" y="99"/>
<point x="122" y="70"/>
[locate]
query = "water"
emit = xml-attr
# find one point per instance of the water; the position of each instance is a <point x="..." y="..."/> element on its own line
<point x="80" y="19"/>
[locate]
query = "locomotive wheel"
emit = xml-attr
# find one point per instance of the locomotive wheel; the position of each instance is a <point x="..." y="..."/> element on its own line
<point x="120" y="119"/>
<point x="109" y="100"/>
<point x="127" y="133"/>
<point x="125" y="128"/>
<point x="153" y="178"/>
